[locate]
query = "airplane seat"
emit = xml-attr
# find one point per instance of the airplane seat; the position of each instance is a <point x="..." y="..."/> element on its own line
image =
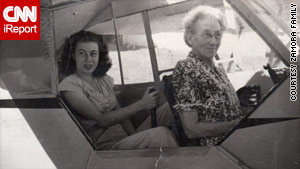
<point x="177" y="127"/>
<point x="130" y="93"/>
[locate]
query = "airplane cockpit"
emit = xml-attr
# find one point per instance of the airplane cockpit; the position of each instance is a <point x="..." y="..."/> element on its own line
<point x="145" y="41"/>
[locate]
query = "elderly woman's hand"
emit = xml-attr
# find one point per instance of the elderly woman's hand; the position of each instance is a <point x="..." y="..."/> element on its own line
<point x="150" y="99"/>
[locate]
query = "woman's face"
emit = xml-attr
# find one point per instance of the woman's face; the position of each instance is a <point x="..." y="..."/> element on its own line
<point x="86" y="57"/>
<point x="206" y="38"/>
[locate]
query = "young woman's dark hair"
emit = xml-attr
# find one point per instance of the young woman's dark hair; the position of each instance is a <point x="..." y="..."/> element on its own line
<point x="68" y="65"/>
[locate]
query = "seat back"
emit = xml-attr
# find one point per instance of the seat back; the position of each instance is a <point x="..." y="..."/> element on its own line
<point x="130" y="93"/>
<point x="182" y="139"/>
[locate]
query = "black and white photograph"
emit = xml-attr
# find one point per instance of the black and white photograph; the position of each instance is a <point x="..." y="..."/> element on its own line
<point x="151" y="84"/>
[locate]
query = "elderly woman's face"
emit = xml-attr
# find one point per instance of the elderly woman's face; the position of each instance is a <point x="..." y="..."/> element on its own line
<point x="206" y="38"/>
<point x="86" y="57"/>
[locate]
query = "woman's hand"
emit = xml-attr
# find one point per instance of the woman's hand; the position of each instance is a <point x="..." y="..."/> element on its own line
<point x="150" y="99"/>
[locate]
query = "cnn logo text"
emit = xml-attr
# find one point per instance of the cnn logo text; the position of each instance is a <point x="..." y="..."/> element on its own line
<point x="21" y="20"/>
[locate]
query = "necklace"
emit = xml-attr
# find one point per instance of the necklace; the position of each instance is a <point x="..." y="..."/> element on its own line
<point x="93" y="83"/>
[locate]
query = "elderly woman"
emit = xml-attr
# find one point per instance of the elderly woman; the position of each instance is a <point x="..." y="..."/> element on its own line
<point x="205" y="99"/>
<point x="89" y="91"/>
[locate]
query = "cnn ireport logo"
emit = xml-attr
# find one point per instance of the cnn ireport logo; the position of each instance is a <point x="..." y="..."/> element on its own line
<point x="20" y="20"/>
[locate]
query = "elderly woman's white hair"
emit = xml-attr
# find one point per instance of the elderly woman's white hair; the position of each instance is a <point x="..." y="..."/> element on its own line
<point x="198" y="13"/>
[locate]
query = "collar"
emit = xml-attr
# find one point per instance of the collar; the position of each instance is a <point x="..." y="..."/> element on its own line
<point x="197" y="60"/>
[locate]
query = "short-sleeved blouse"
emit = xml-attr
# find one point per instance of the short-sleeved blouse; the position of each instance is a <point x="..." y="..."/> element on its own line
<point x="103" y="98"/>
<point x="207" y="90"/>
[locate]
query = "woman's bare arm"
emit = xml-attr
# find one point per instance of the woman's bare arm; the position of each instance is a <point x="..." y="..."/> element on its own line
<point x="82" y="105"/>
<point x="195" y="129"/>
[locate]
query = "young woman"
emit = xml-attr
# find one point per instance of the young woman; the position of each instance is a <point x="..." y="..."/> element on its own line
<point x="89" y="91"/>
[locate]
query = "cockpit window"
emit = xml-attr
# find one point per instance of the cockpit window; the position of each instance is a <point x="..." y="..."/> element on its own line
<point x="25" y="70"/>
<point x="27" y="67"/>
<point x="276" y="18"/>
<point x="133" y="47"/>
<point x="244" y="55"/>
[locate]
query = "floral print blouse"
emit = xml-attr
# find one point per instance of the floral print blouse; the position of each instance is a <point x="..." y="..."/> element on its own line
<point x="207" y="90"/>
